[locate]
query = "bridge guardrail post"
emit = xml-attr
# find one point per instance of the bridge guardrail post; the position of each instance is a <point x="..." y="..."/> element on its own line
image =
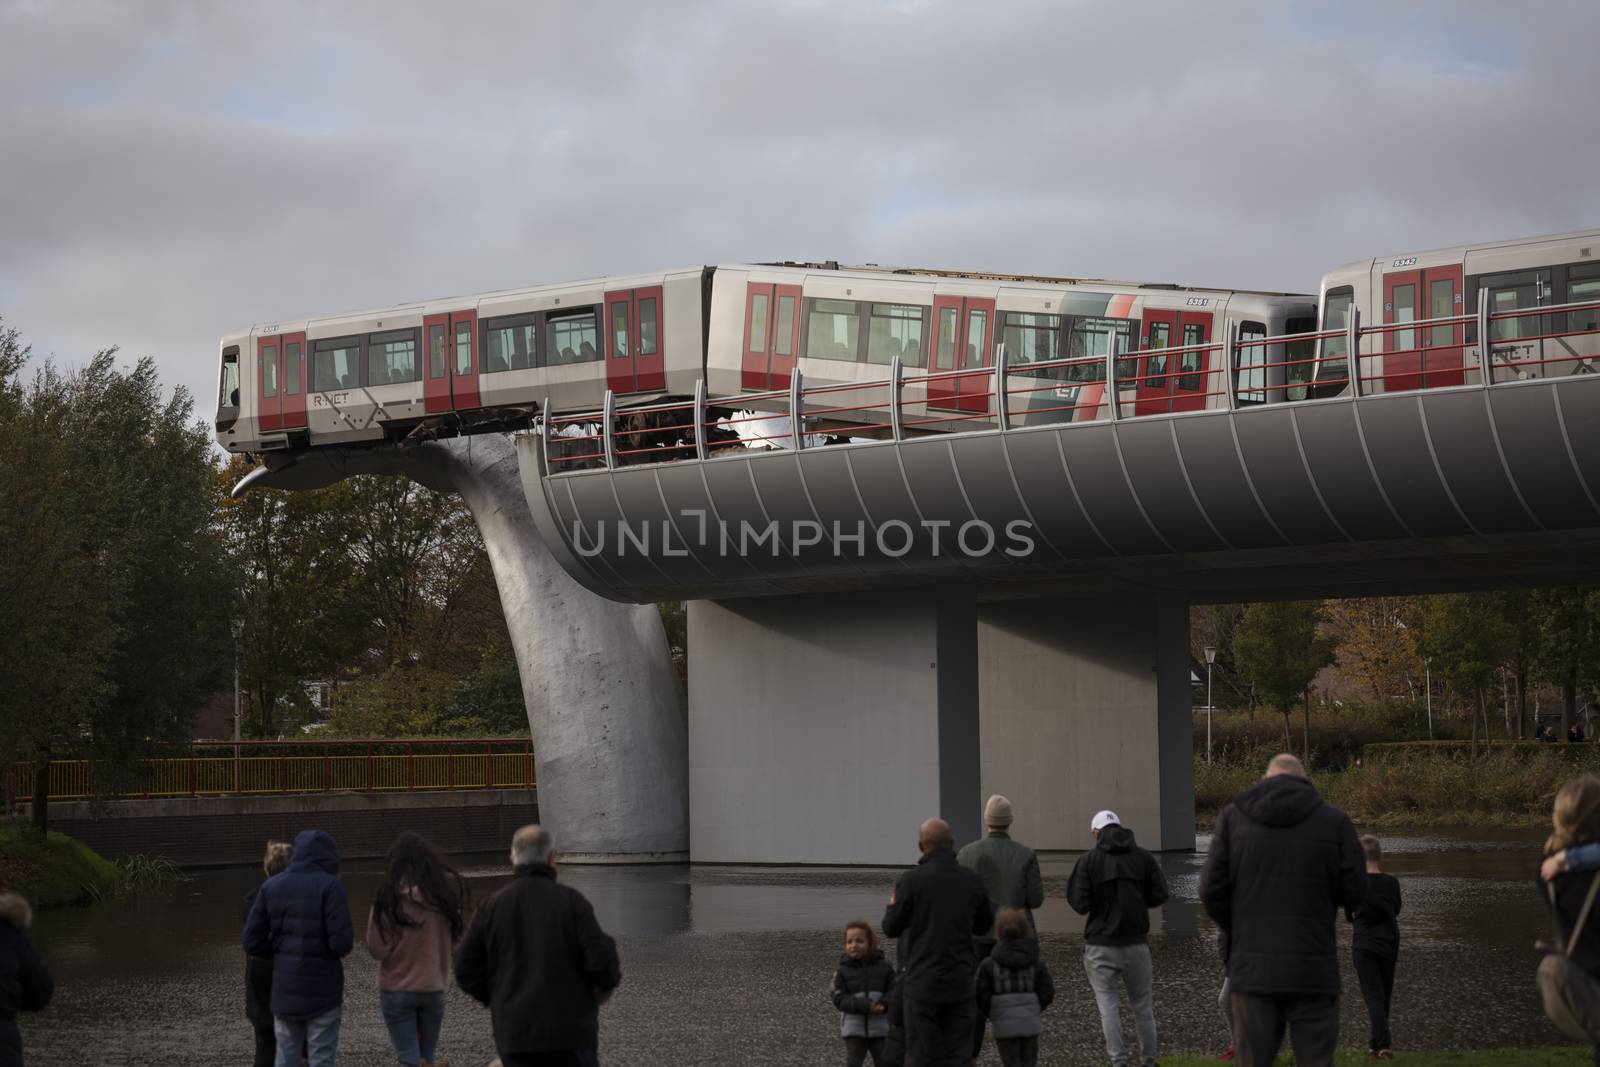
<point x="1111" y="376"/>
<point x="608" y="415"/>
<point x="488" y="755"/>
<point x="1485" y="350"/>
<point x="1230" y="384"/>
<point x="450" y="765"/>
<point x="411" y="769"/>
<point x="544" y="434"/>
<point x="700" y="418"/>
<point x="896" y="381"/>
<point x="797" y="411"/>
<point x="1352" y="357"/>
<point x="1002" y="399"/>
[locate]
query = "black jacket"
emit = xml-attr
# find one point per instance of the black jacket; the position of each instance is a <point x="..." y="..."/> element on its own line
<point x="25" y="983"/>
<point x="1571" y="887"/>
<point x="855" y="979"/>
<point x="1116" y="883"/>
<point x="1018" y="954"/>
<point x="894" y="1046"/>
<point x="937" y="909"/>
<point x="257" y="980"/>
<point x="537" y="957"/>
<point x="1376" y="924"/>
<point x="301" y="921"/>
<point x="1282" y="863"/>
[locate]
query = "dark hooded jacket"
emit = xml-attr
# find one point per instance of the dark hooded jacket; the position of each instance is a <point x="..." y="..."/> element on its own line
<point x="938" y="907"/>
<point x="25" y="983"/>
<point x="535" y="954"/>
<point x="301" y="920"/>
<point x="857" y="986"/>
<point x="1014" y="988"/>
<point x="1282" y="863"/>
<point x="1116" y="883"/>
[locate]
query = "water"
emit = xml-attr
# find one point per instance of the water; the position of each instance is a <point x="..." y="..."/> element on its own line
<point x="732" y="964"/>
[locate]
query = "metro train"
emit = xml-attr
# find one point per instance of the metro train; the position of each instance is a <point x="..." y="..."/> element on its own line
<point x="489" y="362"/>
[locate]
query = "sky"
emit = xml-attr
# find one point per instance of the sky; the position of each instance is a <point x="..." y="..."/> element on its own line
<point x="170" y="171"/>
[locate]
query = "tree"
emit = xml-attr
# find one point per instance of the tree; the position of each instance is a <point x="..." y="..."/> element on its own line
<point x="1568" y="642"/>
<point x="1374" y="647"/>
<point x="1279" y="648"/>
<point x="1214" y="626"/>
<point x="1466" y="637"/>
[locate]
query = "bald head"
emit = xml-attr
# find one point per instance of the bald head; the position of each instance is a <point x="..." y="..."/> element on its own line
<point x="935" y="834"/>
<point x="532" y="844"/>
<point x="1284" y="763"/>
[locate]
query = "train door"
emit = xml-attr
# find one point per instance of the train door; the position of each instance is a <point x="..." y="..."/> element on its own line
<point x="635" y="361"/>
<point x="292" y="380"/>
<point x="436" y="375"/>
<point x="269" y="399"/>
<point x="771" y="335"/>
<point x="963" y="341"/>
<point x="464" y="367"/>
<point x="1189" y="385"/>
<point x="1431" y="356"/>
<point x="1153" y="396"/>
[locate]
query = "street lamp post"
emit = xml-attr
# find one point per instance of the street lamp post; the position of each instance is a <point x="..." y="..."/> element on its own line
<point x="1427" y="683"/>
<point x="1211" y="657"/>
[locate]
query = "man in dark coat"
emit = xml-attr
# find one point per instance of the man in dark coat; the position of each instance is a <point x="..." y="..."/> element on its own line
<point x="536" y="956"/>
<point x="1116" y="883"/>
<point x="1281" y="866"/>
<point x="25" y="983"/>
<point x="938" y="907"/>
<point x="301" y="921"/>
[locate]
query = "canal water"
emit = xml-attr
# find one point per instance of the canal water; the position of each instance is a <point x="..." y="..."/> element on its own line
<point x="732" y="964"/>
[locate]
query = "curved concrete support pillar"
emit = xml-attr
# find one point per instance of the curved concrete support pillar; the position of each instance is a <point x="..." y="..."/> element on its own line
<point x="610" y="739"/>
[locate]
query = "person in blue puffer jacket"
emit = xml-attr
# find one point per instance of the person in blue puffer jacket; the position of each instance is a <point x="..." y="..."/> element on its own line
<point x="301" y="921"/>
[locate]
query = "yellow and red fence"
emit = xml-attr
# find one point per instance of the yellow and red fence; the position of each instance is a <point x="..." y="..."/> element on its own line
<point x="254" y="768"/>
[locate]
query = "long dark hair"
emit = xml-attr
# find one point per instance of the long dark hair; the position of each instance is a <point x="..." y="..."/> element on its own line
<point x="415" y="865"/>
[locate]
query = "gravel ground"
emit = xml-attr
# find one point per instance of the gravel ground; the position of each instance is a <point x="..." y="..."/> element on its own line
<point x="732" y="965"/>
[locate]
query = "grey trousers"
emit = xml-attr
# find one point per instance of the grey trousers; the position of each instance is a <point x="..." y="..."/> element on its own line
<point x="1104" y="964"/>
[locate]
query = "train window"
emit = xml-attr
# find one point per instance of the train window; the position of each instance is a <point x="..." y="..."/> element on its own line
<point x="573" y="337"/>
<point x="895" y="330"/>
<point x="392" y="357"/>
<point x="1252" y="365"/>
<point x="783" y="340"/>
<point x="1091" y="336"/>
<point x="269" y="371"/>
<point x="1189" y="362"/>
<point x="228" y="390"/>
<point x="436" y="351"/>
<point x="463" y="349"/>
<point x="619" y="330"/>
<point x="1513" y="291"/>
<point x="647" y="325"/>
<point x="833" y="329"/>
<point x="509" y="343"/>
<point x="1441" y="305"/>
<point x="945" y="357"/>
<point x="1333" y="368"/>
<point x="1404" y="299"/>
<point x="977" y="330"/>
<point x="1031" y="338"/>
<point x="758" y="321"/>
<point x="291" y="369"/>
<point x="1155" y="368"/>
<point x="333" y="363"/>
<point x="1583" y="285"/>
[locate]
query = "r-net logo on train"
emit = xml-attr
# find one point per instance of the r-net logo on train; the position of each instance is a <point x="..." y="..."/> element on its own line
<point x="695" y="531"/>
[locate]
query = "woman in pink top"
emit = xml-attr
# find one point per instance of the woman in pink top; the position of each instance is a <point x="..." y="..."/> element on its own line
<point x="415" y="923"/>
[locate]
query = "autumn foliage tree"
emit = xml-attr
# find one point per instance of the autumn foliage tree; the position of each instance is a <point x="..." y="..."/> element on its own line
<point x="1280" y="648"/>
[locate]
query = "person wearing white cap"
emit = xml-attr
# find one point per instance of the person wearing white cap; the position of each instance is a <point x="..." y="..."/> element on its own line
<point x="1010" y="872"/>
<point x="1116" y="884"/>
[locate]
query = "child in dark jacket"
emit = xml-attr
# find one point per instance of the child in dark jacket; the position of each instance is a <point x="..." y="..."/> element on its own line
<point x="1014" y="989"/>
<point x="861" y="989"/>
<point x="1375" y="946"/>
<point x="25" y="983"/>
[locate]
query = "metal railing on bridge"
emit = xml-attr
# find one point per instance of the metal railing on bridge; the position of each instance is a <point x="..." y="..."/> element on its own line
<point x="1233" y="372"/>
<point x="257" y="768"/>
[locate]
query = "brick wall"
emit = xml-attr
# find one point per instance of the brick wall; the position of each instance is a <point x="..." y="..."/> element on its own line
<point x="228" y="831"/>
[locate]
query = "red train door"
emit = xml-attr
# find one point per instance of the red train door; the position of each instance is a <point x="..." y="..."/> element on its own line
<point x="465" y="366"/>
<point x="1153" y="391"/>
<point x="1443" y="358"/>
<point x="771" y="335"/>
<point x="269" y="402"/>
<point x="436" y="371"/>
<point x="963" y="330"/>
<point x="1189" y="385"/>
<point x="1402" y="355"/>
<point x="292" y="380"/>
<point x="635" y="343"/>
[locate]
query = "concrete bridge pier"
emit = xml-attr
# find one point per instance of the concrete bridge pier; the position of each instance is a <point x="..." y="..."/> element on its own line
<point x="823" y="729"/>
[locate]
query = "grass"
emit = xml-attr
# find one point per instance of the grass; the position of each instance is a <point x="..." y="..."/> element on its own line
<point x="54" y="869"/>
<point x="145" y="871"/>
<point x="1518" y="1057"/>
